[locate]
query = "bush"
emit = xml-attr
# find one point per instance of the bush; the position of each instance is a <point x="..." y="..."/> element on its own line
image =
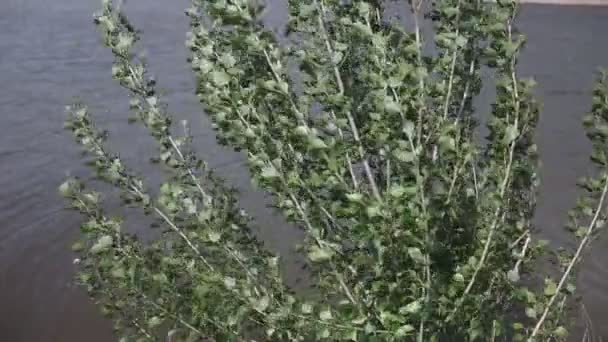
<point x="416" y="230"/>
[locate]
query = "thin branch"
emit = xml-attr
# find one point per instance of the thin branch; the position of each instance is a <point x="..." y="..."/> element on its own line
<point x="467" y="86"/>
<point x="574" y="260"/>
<point x="351" y="120"/>
<point x="526" y="233"/>
<point x="448" y="97"/>
<point x="134" y="188"/>
<point x="189" y="170"/>
<point x="453" y="183"/>
<point x="503" y="187"/>
<point x="139" y="90"/>
<point x="522" y="255"/>
<point x="421" y="83"/>
<point x="141" y="329"/>
<point x="181" y="234"/>
<point x="348" y="160"/>
<point x="475" y="183"/>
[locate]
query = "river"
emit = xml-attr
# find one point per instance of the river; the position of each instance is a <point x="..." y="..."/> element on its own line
<point x="50" y="53"/>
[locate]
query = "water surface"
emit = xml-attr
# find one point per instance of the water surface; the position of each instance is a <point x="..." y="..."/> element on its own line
<point x="50" y="53"/>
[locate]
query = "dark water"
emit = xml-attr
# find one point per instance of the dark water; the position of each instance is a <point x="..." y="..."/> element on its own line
<point x="49" y="53"/>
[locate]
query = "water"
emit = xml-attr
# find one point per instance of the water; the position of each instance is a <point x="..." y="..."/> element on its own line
<point x="50" y="53"/>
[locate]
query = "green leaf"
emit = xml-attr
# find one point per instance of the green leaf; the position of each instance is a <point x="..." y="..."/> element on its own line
<point x="398" y="191"/>
<point x="359" y="321"/>
<point x="154" y="322"/>
<point x="373" y="211"/>
<point x="513" y="275"/>
<point x="560" y="332"/>
<point x="220" y="78"/>
<point x="229" y="282"/>
<point x="262" y="304"/>
<point x="571" y="288"/>
<point x="302" y="131"/>
<point x="319" y="254"/>
<point x="325" y="315"/>
<point x="306" y="308"/>
<point x="404" y="156"/>
<point x="323" y="334"/>
<point x="416" y="254"/>
<point x="269" y="172"/>
<point x="461" y="41"/>
<point x="227" y="60"/>
<point x="284" y="87"/>
<point x="337" y="57"/>
<point x="351" y="335"/>
<point x="404" y="330"/>
<point x="66" y="187"/>
<point x="214" y="236"/>
<point x="412" y="308"/>
<point x="305" y="10"/>
<point x="550" y="287"/>
<point x="160" y="278"/>
<point x="77" y="246"/>
<point x="447" y="143"/>
<point x="118" y="273"/>
<point x="511" y="134"/>
<point x="205" y="65"/>
<point x="363" y="8"/>
<point x="394" y="82"/>
<point x="102" y="244"/>
<point x="530" y="312"/>
<point x="387" y="317"/>
<point x="391" y="106"/>
<point x="408" y="128"/>
<point x="354" y="197"/>
<point x="458" y="278"/>
<point x="316" y="143"/>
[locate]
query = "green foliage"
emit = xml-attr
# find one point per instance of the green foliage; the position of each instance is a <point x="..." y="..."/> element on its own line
<point x="415" y="230"/>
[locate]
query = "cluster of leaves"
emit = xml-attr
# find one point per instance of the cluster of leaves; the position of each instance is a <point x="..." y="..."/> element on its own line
<point x="415" y="230"/>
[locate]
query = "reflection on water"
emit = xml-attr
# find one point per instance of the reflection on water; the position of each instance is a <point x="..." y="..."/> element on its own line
<point x="49" y="54"/>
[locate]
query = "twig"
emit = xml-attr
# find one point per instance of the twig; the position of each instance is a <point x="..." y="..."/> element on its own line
<point x="348" y="160"/>
<point x="574" y="259"/>
<point x="141" y="329"/>
<point x="448" y="97"/>
<point x="134" y="188"/>
<point x="467" y="86"/>
<point x="503" y="187"/>
<point x="475" y="184"/>
<point x="345" y="288"/>
<point x="351" y="120"/>
<point x="190" y="172"/>
<point x="183" y="236"/>
<point x="141" y="92"/>
<point x="421" y="82"/>
<point x="521" y="237"/>
<point x="522" y="255"/>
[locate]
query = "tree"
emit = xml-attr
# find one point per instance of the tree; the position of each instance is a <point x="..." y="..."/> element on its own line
<point x="416" y="230"/>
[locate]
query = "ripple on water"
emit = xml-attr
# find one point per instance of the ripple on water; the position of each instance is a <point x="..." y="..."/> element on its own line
<point x="50" y="52"/>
